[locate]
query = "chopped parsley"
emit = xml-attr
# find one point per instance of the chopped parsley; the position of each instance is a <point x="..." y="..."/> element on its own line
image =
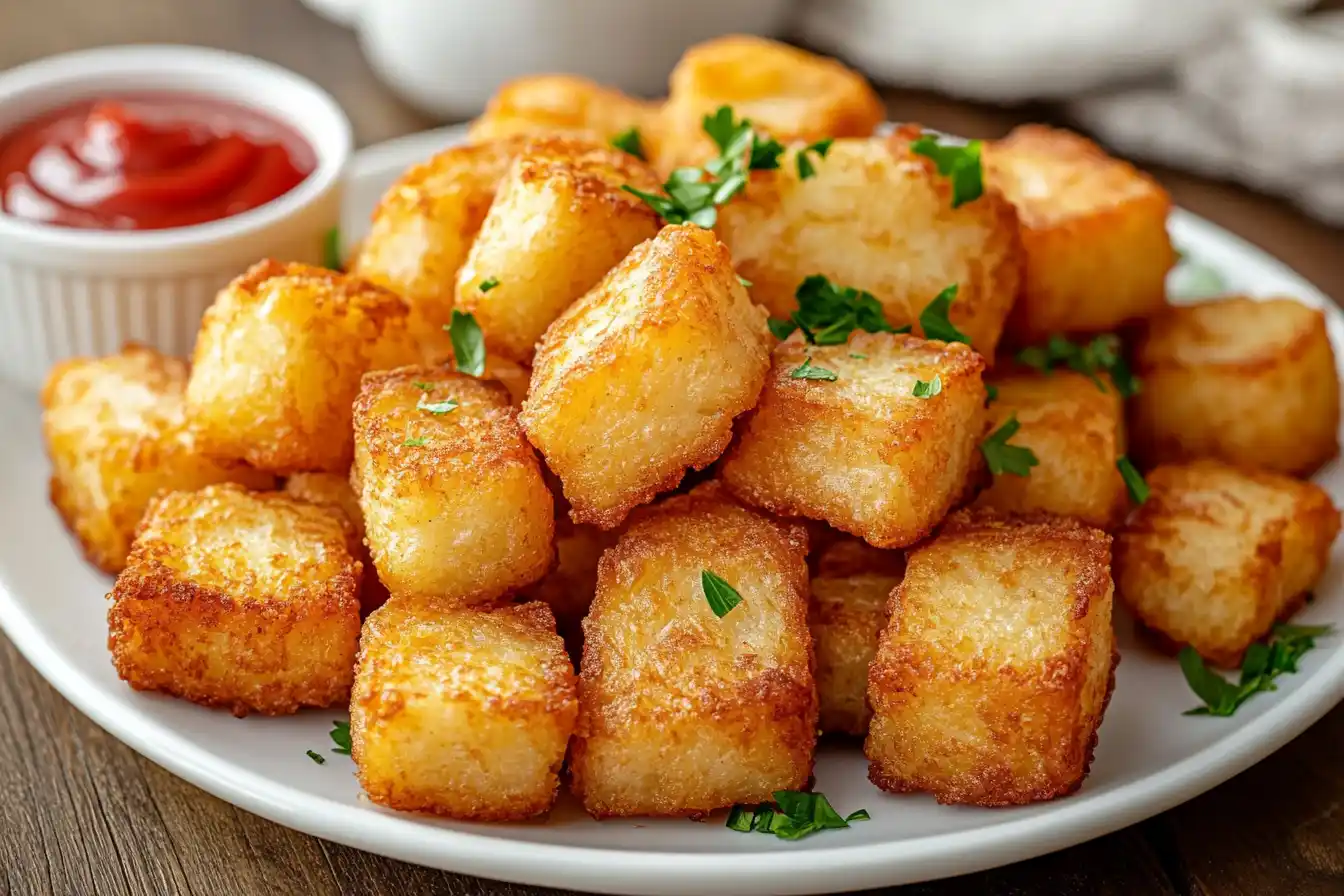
<point x="934" y="320"/>
<point x="1101" y="355"/>
<point x="795" y="814"/>
<point x="422" y="386"/>
<point x="1262" y="663"/>
<point x="628" y="141"/>
<point x="415" y="443"/>
<point x="468" y="343"/>
<point x="819" y="149"/>
<point x="340" y="735"/>
<point x="1004" y="458"/>
<point x="720" y="596"/>
<point x="858" y="357"/>
<point x="437" y="408"/>
<point x="828" y="313"/>
<point x="929" y="389"/>
<point x="991" y="393"/>
<point x="806" y="371"/>
<point x="488" y="284"/>
<point x="746" y="284"/>
<point x="331" y="249"/>
<point x="961" y="164"/>
<point x="1138" y="488"/>
<point x="694" y="194"/>
<point x="316" y="757"/>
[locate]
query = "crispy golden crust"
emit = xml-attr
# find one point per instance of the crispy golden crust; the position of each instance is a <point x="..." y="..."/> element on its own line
<point x="682" y="712"/>
<point x="1217" y="554"/>
<point x="1249" y="382"/>
<point x="877" y="217"/>
<point x="641" y="378"/>
<point x="454" y="503"/>
<point x="332" y="490"/>
<point x="238" y="599"/>
<point x="861" y="452"/>
<point x="116" y="431"/>
<point x="848" y="610"/>
<point x="278" y="362"/>
<point x="993" y="674"/>
<point x="559" y="223"/>
<point x="787" y="92"/>
<point x="462" y="712"/>
<point x="1077" y="432"/>
<point x="423" y="228"/>
<point x="1094" y="229"/>
<point x="565" y="104"/>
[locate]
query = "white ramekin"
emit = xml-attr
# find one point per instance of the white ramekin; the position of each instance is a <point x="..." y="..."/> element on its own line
<point x="67" y="292"/>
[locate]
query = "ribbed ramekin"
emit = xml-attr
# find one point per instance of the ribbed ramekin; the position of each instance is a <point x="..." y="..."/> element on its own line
<point x="67" y="292"/>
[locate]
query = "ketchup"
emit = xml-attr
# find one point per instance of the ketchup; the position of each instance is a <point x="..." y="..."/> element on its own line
<point x="147" y="162"/>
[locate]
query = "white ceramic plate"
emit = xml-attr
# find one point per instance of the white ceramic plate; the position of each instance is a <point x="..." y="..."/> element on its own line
<point x="1150" y="756"/>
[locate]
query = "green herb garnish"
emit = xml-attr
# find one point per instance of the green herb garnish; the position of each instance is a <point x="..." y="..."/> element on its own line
<point x="858" y="357"/>
<point x="415" y="443"/>
<point x="991" y="393"/>
<point x="828" y="313"/>
<point x="806" y="371"/>
<point x="720" y="596"/>
<point x="488" y="284"/>
<point x="1138" y="488"/>
<point x="1004" y="458"/>
<point x="422" y="386"/>
<point x="805" y="166"/>
<point x="795" y="815"/>
<point x="1260" y="665"/>
<point x="316" y="757"/>
<point x="746" y="284"/>
<point x="628" y="141"/>
<point x="331" y="249"/>
<point x="961" y="164"/>
<point x="1101" y="355"/>
<point x="936" y="323"/>
<point x="437" y="408"/>
<point x="468" y="343"/>
<point x="929" y="389"/>
<point x="340" y="735"/>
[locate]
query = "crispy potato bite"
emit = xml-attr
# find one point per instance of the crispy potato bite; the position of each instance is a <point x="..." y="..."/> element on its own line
<point x="1077" y="432"/>
<point x="861" y="452"/>
<point x="462" y="712"/>
<point x="278" y="362"/>
<point x="117" y="434"/>
<point x="453" y="499"/>
<point x="995" y="669"/>
<point x="877" y="217"/>
<point x="1250" y="382"/>
<point x="642" y="377"/>
<point x="566" y="105"/>
<point x="1094" y="229"/>
<point x="682" y="712"/>
<point x="790" y="93"/>
<point x="423" y="227"/>
<point x="1217" y="554"/>
<point x="331" y="490"/>
<point x="846" y="615"/>
<point x="245" y="600"/>
<point x="560" y="221"/>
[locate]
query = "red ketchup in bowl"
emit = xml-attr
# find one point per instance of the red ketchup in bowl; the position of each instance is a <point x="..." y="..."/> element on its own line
<point x="147" y="162"/>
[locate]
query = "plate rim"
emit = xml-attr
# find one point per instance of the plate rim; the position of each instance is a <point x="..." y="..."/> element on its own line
<point x="606" y="870"/>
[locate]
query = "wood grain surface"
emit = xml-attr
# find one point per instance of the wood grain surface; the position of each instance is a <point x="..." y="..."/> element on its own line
<point x="81" y="814"/>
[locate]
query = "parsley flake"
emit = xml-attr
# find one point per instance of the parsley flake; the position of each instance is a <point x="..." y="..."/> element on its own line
<point x="961" y="164"/>
<point x="720" y="596"/>
<point x="488" y="284"/>
<point x="331" y="249"/>
<point x="806" y="371"/>
<point x="858" y="357"/>
<point x="928" y="390"/>
<point x="1004" y="458"/>
<point x="794" y="815"/>
<point x="805" y="167"/>
<point x="1101" y="355"/>
<point x="415" y="443"/>
<point x="468" y="343"/>
<point x="934" y="320"/>
<point x="746" y="284"/>
<point x="437" y="408"/>
<point x="316" y="757"/>
<point x="340" y="735"/>
<point x="1263" y="662"/>
<point x="991" y="393"/>
<point x="424" y="387"/>
<point x="1138" y="488"/>
<point x="628" y="141"/>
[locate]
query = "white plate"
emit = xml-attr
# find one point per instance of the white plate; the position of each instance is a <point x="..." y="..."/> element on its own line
<point x="1150" y="756"/>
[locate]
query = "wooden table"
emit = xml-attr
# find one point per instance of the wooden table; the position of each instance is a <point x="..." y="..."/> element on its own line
<point x="82" y="814"/>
